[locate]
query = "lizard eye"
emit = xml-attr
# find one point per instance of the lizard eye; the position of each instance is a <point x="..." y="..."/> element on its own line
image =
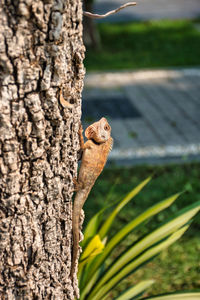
<point x="107" y="127"/>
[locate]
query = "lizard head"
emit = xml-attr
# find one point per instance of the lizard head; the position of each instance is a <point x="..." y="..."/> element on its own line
<point x="99" y="131"/>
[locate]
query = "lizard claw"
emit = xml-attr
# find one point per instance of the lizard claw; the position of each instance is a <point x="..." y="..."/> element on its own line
<point x="80" y="128"/>
<point x="77" y="185"/>
<point x="75" y="182"/>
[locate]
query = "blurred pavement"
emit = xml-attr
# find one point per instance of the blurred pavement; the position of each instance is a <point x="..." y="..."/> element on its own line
<point x="154" y="115"/>
<point x="149" y="9"/>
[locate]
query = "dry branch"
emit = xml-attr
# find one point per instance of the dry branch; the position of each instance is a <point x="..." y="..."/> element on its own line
<point x="114" y="11"/>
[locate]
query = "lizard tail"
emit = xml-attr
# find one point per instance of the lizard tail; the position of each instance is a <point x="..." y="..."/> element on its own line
<point x="75" y="243"/>
<point x="74" y="263"/>
<point x="79" y="200"/>
<point x="78" y="204"/>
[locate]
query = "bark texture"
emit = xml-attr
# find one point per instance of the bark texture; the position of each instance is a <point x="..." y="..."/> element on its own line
<point x="41" y="55"/>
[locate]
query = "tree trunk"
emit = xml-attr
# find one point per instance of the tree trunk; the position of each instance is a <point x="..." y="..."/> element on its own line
<point x="41" y="55"/>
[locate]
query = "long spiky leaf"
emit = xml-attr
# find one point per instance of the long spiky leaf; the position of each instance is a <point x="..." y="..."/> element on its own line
<point x="147" y="242"/>
<point x="130" y="226"/>
<point x="98" y="292"/>
<point x="105" y="227"/>
<point x="98" y="261"/>
<point x="177" y="296"/>
<point x="136" y="290"/>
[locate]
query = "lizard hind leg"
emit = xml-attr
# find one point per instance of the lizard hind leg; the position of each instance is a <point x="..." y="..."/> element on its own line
<point x="77" y="185"/>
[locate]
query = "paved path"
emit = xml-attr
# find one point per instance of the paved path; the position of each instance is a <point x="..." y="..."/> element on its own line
<point x="150" y="9"/>
<point x="155" y="115"/>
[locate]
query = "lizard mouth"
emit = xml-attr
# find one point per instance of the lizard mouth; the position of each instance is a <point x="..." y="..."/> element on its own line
<point x="96" y="142"/>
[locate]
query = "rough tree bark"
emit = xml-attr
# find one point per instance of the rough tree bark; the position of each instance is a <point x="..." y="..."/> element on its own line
<point x="41" y="55"/>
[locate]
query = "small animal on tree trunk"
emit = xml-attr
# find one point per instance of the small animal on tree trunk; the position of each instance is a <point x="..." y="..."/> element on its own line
<point x="94" y="156"/>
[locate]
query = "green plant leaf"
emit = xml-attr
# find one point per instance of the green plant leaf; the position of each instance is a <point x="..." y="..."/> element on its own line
<point x="148" y="241"/>
<point x="94" y="247"/>
<point x="89" y="286"/>
<point x="92" y="227"/>
<point x="177" y="296"/>
<point x="99" y="291"/>
<point x="94" y="264"/>
<point x="152" y="238"/>
<point x="105" y="227"/>
<point x="136" y="290"/>
<point x="129" y="227"/>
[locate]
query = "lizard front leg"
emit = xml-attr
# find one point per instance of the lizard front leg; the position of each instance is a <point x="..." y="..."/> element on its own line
<point x="81" y="142"/>
<point x="87" y="144"/>
<point x="81" y="139"/>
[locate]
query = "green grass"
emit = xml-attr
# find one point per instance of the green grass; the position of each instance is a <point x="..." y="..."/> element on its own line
<point x="151" y="44"/>
<point x="178" y="267"/>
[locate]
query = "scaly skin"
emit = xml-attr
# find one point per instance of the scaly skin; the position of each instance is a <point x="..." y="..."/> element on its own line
<point x="95" y="153"/>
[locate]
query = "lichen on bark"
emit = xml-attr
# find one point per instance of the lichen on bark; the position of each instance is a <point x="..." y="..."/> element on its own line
<point x="41" y="57"/>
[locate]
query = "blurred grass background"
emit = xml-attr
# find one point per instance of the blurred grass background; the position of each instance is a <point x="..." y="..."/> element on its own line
<point x="150" y="44"/>
<point x="137" y="45"/>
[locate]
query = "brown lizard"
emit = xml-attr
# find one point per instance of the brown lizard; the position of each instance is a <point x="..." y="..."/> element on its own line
<point x="94" y="156"/>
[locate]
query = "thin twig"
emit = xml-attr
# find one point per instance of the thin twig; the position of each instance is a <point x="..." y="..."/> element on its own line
<point x="114" y="11"/>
